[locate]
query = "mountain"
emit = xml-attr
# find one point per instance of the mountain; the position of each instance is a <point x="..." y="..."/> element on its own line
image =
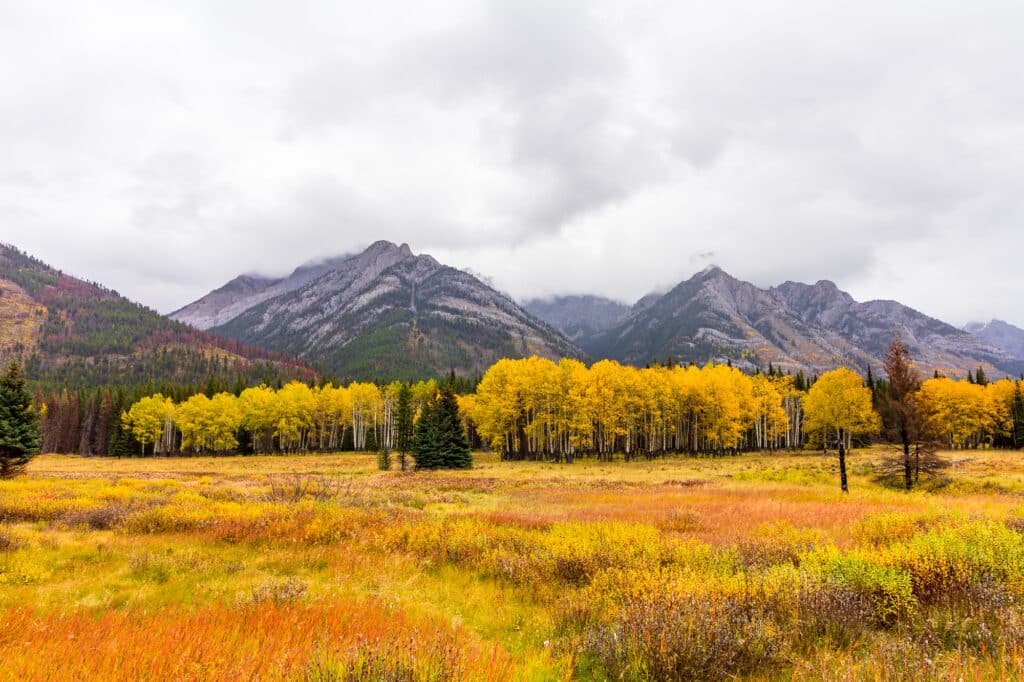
<point x="245" y="291"/>
<point x="1002" y="335"/>
<point x="578" y="317"/>
<point x="383" y="312"/>
<point x="69" y="331"/>
<point x="793" y="326"/>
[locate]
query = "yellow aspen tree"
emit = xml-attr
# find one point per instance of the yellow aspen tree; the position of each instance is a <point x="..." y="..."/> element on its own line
<point x="839" y="404"/>
<point x="150" y="421"/>
<point x="258" y="412"/>
<point x="293" y="415"/>
<point x="366" y="410"/>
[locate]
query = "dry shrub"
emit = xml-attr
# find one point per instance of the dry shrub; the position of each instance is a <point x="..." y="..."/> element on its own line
<point x="982" y="618"/>
<point x="10" y="541"/>
<point x="681" y="521"/>
<point x="815" y="612"/>
<point x="393" y="662"/>
<point x="295" y="487"/>
<point x="684" y="637"/>
<point x="100" y="518"/>
<point x="275" y="591"/>
<point x="775" y="544"/>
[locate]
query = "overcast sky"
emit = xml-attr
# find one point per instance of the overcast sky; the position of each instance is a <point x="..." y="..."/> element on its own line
<point x="556" y="147"/>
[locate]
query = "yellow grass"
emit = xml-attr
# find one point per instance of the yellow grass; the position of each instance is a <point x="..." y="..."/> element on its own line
<point x="322" y="567"/>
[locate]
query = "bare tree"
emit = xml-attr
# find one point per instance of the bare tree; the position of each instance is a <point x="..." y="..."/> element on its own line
<point x="901" y="421"/>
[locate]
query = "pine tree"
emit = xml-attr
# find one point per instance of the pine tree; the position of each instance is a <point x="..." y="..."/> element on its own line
<point x="980" y="378"/>
<point x="1018" y="417"/>
<point x="424" y="447"/>
<point x="452" y="444"/>
<point x="440" y="439"/>
<point x="19" y="424"/>
<point x="404" y="428"/>
<point x="901" y="421"/>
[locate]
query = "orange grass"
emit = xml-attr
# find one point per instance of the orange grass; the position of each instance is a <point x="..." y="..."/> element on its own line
<point x="267" y="642"/>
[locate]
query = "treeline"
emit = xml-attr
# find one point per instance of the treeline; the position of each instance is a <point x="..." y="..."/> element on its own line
<point x="968" y="414"/>
<point x="88" y="421"/>
<point x="294" y="418"/>
<point x="534" y="409"/>
<point x="537" y="409"/>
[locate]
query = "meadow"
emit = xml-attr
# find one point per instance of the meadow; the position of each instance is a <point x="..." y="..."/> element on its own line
<point x="321" y="567"/>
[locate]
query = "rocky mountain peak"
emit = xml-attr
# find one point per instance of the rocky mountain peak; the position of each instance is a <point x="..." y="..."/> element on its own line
<point x="1000" y="334"/>
<point x="386" y="310"/>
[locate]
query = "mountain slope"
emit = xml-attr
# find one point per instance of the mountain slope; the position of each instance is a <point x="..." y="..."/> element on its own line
<point x="1002" y="335"/>
<point x="245" y="291"/>
<point x="578" y="317"/>
<point x="388" y="312"/>
<point x="66" y="330"/>
<point x="796" y="326"/>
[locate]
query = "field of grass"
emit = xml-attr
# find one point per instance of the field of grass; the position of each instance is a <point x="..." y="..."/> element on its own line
<point x="323" y="568"/>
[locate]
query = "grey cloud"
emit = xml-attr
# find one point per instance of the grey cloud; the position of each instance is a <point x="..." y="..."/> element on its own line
<point x="555" y="146"/>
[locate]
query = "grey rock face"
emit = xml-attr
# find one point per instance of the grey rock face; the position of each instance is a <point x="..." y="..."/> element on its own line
<point x="578" y="317"/>
<point x="1002" y="335"/>
<point x="714" y="316"/>
<point x="384" y="312"/>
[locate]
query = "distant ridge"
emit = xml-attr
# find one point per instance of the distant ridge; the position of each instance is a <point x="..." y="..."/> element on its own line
<point x="813" y="327"/>
<point x="1002" y="335"/>
<point x="69" y="331"/>
<point x="578" y="317"/>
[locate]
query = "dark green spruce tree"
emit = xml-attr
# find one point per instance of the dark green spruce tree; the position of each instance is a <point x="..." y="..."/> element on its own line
<point x="452" y="442"/>
<point x="425" y="450"/>
<point x="440" y="440"/>
<point x="1018" y="417"/>
<point x="404" y="428"/>
<point x="19" y="424"/>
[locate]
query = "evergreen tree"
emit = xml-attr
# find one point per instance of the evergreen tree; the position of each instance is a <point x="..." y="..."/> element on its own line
<point x="970" y="377"/>
<point x="404" y="428"/>
<point x="980" y="378"/>
<point x="1018" y="417"/>
<point x="440" y="440"/>
<point x="425" y="442"/>
<point x="452" y="444"/>
<point x="900" y="419"/>
<point x="19" y="424"/>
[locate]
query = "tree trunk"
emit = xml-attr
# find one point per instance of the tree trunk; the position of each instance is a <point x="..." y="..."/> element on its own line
<point x="842" y="462"/>
<point x="908" y="468"/>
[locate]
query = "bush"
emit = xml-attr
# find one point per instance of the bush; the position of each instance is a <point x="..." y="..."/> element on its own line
<point x="275" y="591"/>
<point x="888" y="589"/>
<point x="683" y="637"/>
<point x="391" y="662"/>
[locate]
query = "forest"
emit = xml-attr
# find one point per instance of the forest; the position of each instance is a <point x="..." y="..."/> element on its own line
<point x="536" y="409"/>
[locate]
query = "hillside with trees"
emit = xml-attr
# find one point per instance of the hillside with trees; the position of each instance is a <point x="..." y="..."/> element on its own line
<point x="70" y="333"/>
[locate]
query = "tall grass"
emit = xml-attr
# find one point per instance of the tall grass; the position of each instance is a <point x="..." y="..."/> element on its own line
<point x="326" y="568"/>
<point x="266" y="641"/>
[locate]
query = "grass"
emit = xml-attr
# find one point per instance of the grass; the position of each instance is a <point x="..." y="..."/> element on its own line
<point x="324" y="568"/>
